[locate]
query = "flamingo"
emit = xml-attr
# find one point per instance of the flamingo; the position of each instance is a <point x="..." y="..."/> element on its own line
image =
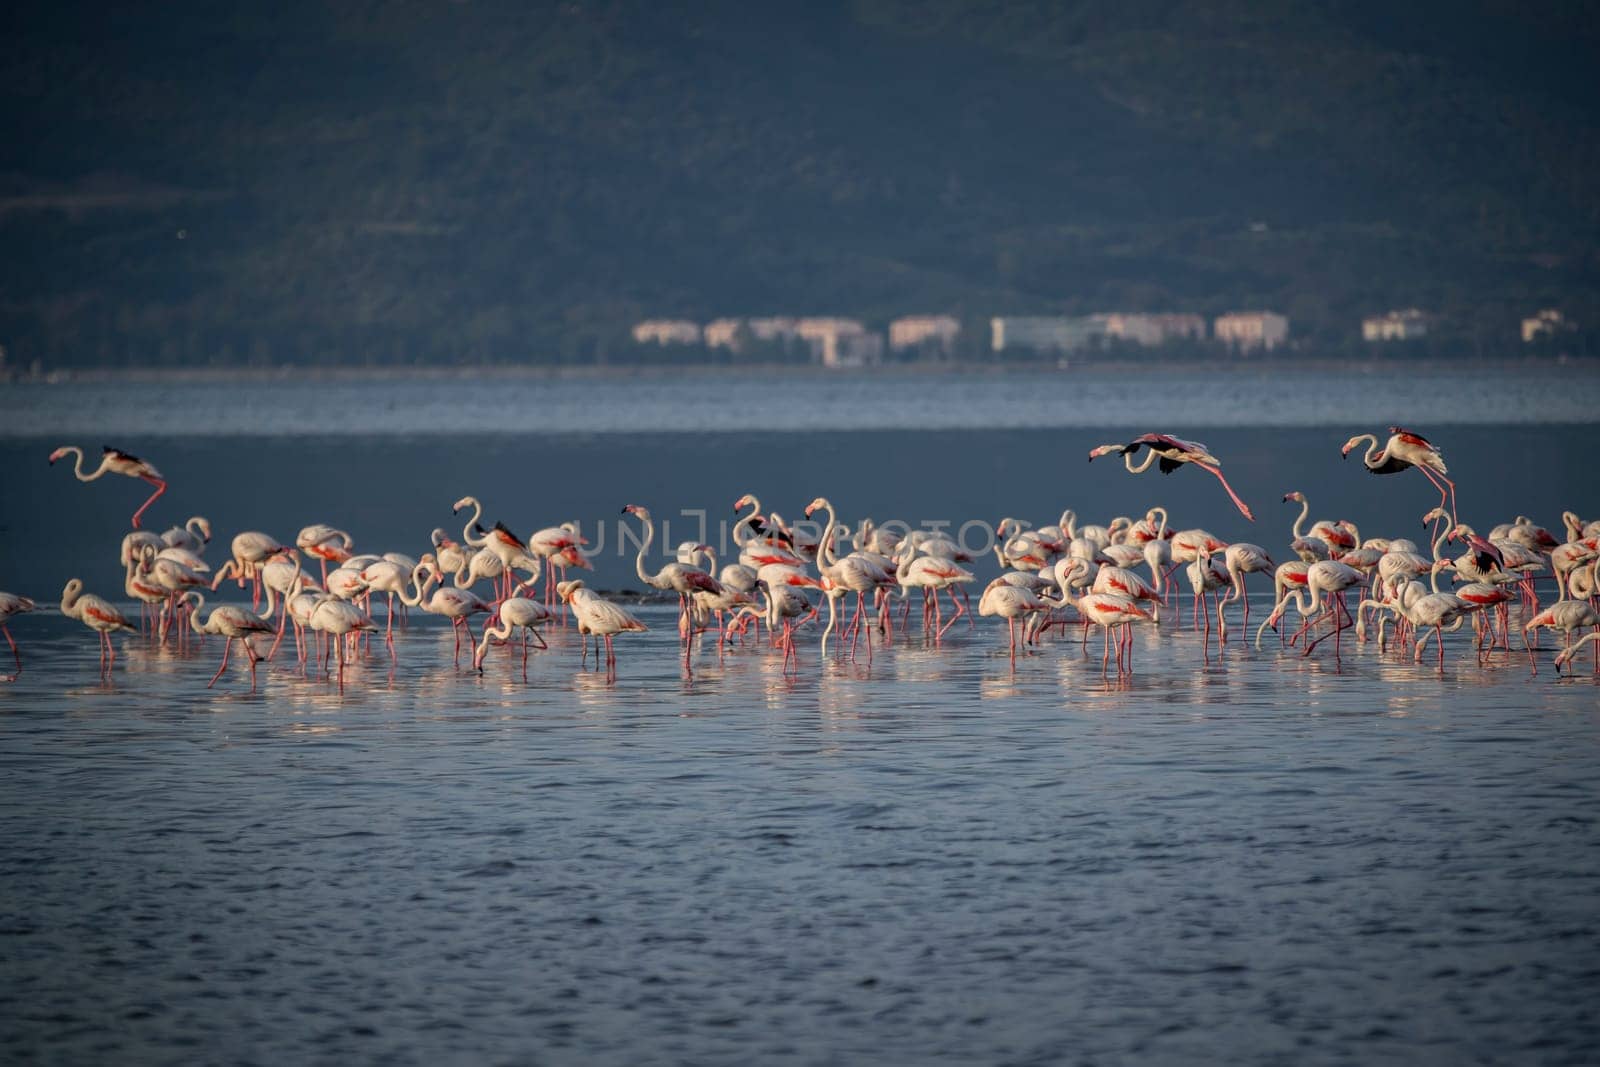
<point x="1207" y="575"/>
<point x="98" y="615"/>
<point x="680" y="578"/>
<point x="598" y="616"/>
<point x="1328" y="578"/>
<point x="1241" y="558"/>
<point x="1011" y="602"/>
<point x="116" y="461"/>
<point x="250" y="550"/>
<point x="780" y="603"/>
<point x="1172" y="452"/>
<point x="193" y="535"/>
<point x="1566" y="616"/>
<point x="232" y="624"/>
<point x="1109" y="611"/>
<point x="1406" y="449"/>
<point x="338" y="619"/>
<point x="326" y="544"/>
<point x="457" y="605"/>
<point x="13" y="604"/>
<point x="855" y="573"/>
<point x="516" y="611"/>
<point x="932" y="575"/>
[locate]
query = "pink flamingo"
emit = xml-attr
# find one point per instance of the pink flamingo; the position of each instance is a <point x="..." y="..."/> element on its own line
<point x="12" y="604"/>
<point x="599" y="617"/>
<point x="98" y="615"/>
<point x="115" y="461"/>
<point x="232" y="624"/>
<point x="678" y="577"/>
<point x="1173" y="452"/>
<point x="1406" y="449"/>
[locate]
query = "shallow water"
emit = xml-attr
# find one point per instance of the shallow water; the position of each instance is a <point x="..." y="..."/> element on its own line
<point x="937" y="858"/>
<point x="934" y="858"/>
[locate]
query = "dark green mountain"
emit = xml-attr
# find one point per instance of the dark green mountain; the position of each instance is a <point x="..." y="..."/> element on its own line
<point x="466" y="180"/>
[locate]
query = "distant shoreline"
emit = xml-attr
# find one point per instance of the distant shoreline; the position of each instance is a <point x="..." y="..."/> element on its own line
<point x="522" y="371"/>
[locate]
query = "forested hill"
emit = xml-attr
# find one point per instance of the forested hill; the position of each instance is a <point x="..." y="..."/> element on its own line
<point x="511" y="180"/>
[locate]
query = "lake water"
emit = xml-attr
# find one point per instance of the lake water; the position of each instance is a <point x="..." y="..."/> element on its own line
<point x="938" y="858"/>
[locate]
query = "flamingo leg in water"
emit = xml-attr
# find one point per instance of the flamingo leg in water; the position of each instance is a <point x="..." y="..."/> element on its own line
<point x="15" y="654"/>
<point x="227" y="647"/>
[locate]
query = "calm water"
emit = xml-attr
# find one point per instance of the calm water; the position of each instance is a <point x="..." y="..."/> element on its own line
<point x="937" y="858"/>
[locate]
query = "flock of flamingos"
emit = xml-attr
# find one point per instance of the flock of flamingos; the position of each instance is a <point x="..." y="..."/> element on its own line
<point x="782" y="580"/>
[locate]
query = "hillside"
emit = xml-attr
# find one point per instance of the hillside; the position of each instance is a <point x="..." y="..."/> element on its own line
<point x="465" y="181"/>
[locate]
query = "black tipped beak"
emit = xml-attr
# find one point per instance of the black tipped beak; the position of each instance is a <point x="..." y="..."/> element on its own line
<point x="624" y="511"/>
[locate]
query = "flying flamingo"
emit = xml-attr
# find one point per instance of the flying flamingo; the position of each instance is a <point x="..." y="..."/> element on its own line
<point x="98" y="615"/>
<point x="1172" y="452"/>
<point x="231" y="624"/>
<point x="115" y="461"/>
<point x="598" y="616"/>
<point x="12" y="604"/>
<point x="1406" y="449"/>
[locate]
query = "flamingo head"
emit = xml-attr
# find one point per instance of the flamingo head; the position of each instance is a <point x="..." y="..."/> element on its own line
<point x="566" y="589"/>
<point x="463" y="502"/>
<point x="58" y="453"/>
<point x="744" y="502"/>
<point x="1103" y="450"/>
<point x="637" y="510"/>
<point x="1297" y="496"/>
<point x="817" y="505"/>
<point x="1351" y="444"/>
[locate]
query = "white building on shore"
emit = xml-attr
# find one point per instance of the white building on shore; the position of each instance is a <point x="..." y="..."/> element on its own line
<point x="840" y="342"/>
<point x="1549" y="322"/>
<point x="667" y="332"/>
<point x="1252" y="329"/>
<point x="1407" y="325"/>
<point x="1048" y="333"/>
<point x="934" y="333"/>
<point x="1152" y="329"/>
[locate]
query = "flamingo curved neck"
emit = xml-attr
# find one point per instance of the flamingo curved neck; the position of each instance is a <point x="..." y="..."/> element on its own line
<point x="1305" y="509"/>
<point x="1127" y="461"/>
<point x="466" y="530"/>
<point x="644" y="547"/>
<point x="743" y="531"/>
<point x="1372" y="448"/>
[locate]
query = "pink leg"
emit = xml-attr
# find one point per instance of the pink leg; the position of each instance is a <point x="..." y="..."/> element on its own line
<point x="161" y="487"/>
<point x="1240" y="504"/>
<point x="227" y="647"/>
<point x="17" y="655"/>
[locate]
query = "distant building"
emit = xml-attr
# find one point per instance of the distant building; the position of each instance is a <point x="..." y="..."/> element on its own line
<point x="936" y="333"/>
<point x="840" y="342"/>
<point x="1547" y="323"/>
<point x="1153" y="329"/>
<point x="1050" y="333"/>
<point x="1251" y="329"/>
<point x="667" y="332"/>
<point x="1406" y="325"/>
<point x="773" y="329"/>
<point x="722" y="333"/>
